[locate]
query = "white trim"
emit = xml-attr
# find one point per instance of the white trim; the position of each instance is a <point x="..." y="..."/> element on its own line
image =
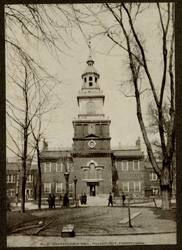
<point x="48" y="184"/>
<point x="123" y="165"/>
<point x="10" y="178"/>
<point x="31" y="178"/>
<point x="11" y="191"/>
<point x="30" y="191"/>
<point x="134" y="166"/>
<point x="57" y="166"/>
<point x="135" y="186"/>
<point x="92" y="161"/>
<point x="151" y="176"/>
<point x="61" y="184"/>
<point x="126" y="182"/>
<point x="45" y="167"/>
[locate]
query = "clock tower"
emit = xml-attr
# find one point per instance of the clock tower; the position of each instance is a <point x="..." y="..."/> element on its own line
<point x="91" y="141"/>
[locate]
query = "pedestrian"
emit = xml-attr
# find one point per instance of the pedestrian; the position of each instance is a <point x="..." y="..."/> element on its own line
<point x="85" y="198"/>
<point x="53" y="200"/>
<point x="49" y="201"/>
<point x="65" y="201"/>
<point x="60" y="197"/>
<point x="110" y="200"/>
<point x="82" y="199"/>
<point x="123" y="198"/>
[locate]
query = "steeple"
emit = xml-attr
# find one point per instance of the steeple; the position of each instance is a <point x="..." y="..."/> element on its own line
<point x="90" y="61"/>
<point x="90" y="76"/>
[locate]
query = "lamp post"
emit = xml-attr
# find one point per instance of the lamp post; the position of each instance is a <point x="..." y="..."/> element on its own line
<point x="75" y="181"/>
<point x="66" y="175"/>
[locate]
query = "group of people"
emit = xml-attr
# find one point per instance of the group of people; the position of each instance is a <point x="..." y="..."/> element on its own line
<point x="83" y="199"/>
<point x="51" y="200"/>
<point x="110" y="201"/>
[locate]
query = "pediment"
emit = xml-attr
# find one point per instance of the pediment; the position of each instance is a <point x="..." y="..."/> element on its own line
<point x="91" y="136"/>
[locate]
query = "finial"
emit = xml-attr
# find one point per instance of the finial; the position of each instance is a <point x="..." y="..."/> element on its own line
<point x="89" y="45"/>
<point x="90" y="61"/>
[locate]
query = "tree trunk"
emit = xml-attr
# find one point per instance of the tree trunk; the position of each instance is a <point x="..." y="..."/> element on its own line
<point x="35" y="193"/>
<point x="23" y="186"/>
<point x="40" y="181"/>
<point x="166" y="186"/>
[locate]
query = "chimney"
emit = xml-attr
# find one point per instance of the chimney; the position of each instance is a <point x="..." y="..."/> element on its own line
<point x="45" y="144"/>
<point x="138" y="143"/>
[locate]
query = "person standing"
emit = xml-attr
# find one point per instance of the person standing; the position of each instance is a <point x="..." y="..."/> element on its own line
<point x="110" y="200"/>
<point x="123" y="198"/>
<point x="50" y="201"/>
<point x="53" y="200"/>
<point x="85" y="198"/>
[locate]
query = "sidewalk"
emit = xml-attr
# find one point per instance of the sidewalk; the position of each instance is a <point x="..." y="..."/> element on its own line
<point x="91" y="202"/>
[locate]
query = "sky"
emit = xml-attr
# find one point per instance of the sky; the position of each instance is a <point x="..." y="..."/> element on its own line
<point x="121" y="110"/>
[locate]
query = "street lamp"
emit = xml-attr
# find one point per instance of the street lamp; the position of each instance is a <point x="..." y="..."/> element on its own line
<point x="66" y="175"/>
<point x="75" y="181"/>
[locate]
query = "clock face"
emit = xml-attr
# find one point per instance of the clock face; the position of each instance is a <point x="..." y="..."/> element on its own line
<point x="91" y="107"/>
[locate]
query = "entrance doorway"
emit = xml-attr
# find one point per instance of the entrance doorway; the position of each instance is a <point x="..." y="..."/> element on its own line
<point x="92" y="190"/>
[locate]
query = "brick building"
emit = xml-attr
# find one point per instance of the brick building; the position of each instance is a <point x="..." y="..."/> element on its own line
<point x="91" y="159"/>
<point x="99" y="169"/>
<point x="13" y="179"/>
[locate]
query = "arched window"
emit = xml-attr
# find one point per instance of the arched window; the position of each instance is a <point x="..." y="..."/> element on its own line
<point x="85" y="79"/>
<point x="92" y="167"/>
<point x="95" y="79"/>
<point x="90" y="78"/>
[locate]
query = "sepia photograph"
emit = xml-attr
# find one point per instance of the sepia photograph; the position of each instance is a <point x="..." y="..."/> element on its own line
<point x="90" y="124"/>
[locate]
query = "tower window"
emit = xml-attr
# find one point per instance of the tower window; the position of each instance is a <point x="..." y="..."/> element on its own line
<point x="90" y="78"/>
<point x="90" y="84"/>
<point x="95" y="79"/>
<point x="85" y="79"/>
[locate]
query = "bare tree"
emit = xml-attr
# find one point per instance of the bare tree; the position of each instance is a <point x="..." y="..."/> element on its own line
<point x="38" y="128"/>
<point x="138" y="62"/>
<point x="20" y="118"/>
<point x="36" y="25"/>
<point x="125" y="31"/>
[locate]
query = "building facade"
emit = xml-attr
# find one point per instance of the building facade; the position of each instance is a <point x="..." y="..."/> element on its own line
<point x="91" y="157"/>
<point x="98" y="168"/>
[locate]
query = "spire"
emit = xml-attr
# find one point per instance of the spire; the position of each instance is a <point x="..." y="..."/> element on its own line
<point x="90" y="61"/>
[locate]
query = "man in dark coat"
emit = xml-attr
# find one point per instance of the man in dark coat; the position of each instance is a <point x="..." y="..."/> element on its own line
<point x="110" y="200"/>
<point x="50" y="201"/>
<point x="123" y="198"/>
<point x="53" y="200"/>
